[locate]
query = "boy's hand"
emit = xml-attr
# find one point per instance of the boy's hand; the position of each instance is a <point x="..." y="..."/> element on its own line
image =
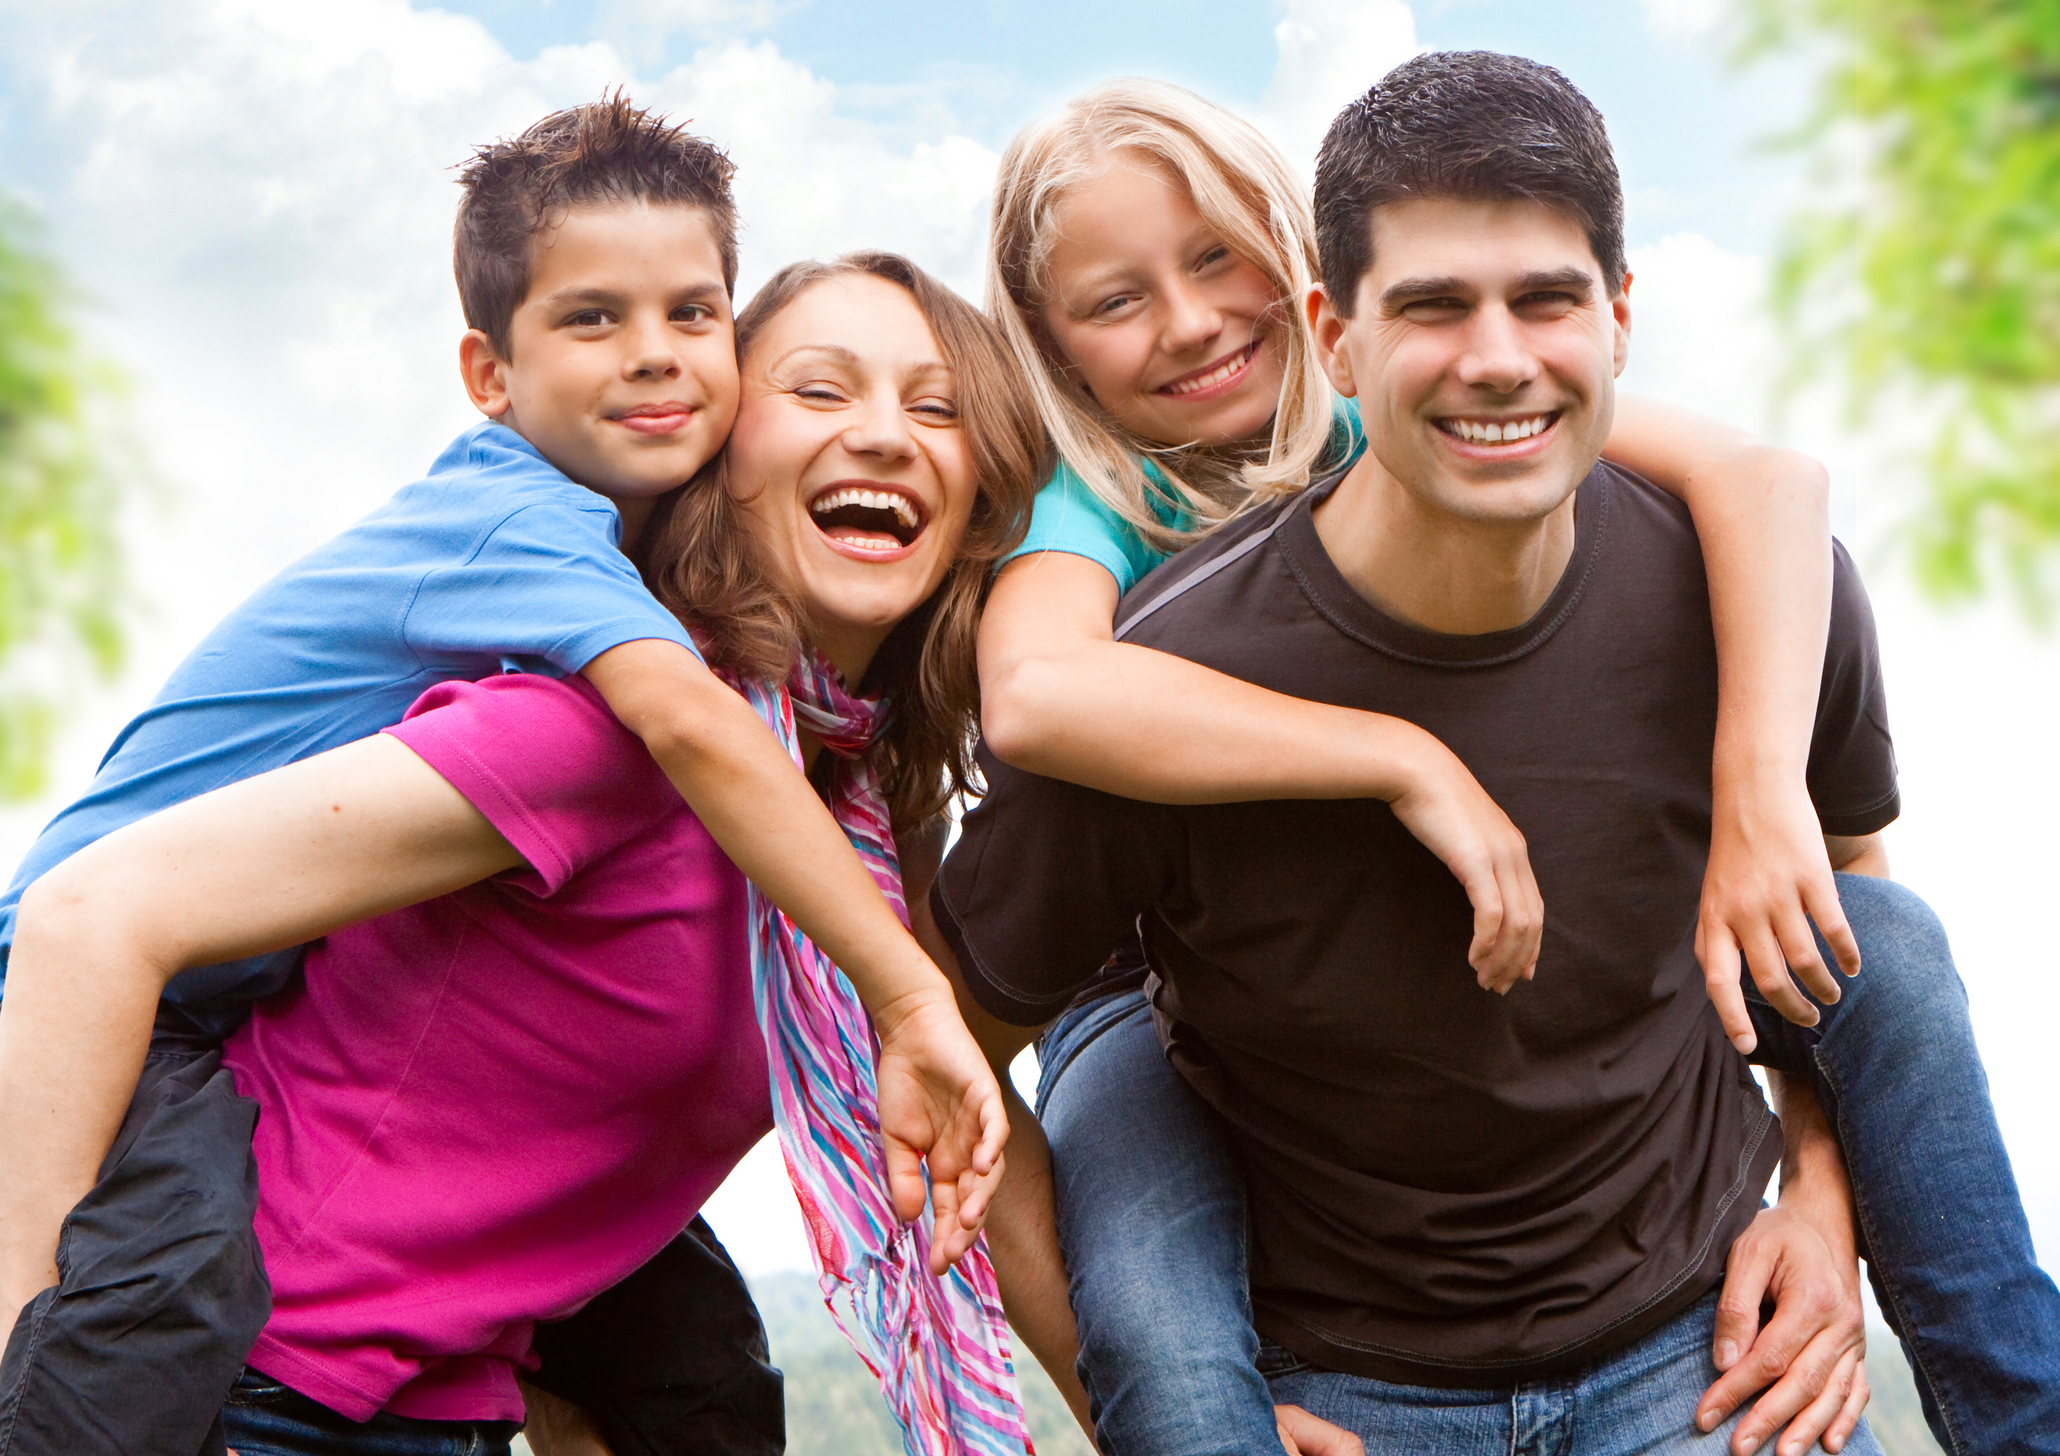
<point x="1445" y="807"/>
<point x="1768" y="878"/>
<point x="1302" y="1434"/>
<point x="938" y="1099"/>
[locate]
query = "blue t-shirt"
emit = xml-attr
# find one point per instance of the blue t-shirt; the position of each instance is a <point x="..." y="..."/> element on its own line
<point x="495" y="561"/>
<point x="1068" y="516"/>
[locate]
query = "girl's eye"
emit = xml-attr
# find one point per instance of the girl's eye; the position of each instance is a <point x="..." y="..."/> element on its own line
<point x="1115" y="305"/>
<point x="1214" y="255"/>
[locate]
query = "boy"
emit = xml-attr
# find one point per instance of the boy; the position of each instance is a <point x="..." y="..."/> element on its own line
<point x="595" y="256"/>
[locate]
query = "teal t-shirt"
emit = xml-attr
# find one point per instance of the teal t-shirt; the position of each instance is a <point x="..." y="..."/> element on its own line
<point x="1067" y="516"/>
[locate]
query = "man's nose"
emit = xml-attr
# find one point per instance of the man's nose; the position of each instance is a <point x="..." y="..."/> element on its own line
<point x="1497" y="356"/>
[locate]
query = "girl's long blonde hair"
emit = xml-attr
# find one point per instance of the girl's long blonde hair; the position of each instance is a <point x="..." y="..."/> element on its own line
<point x="1245" y="191"/>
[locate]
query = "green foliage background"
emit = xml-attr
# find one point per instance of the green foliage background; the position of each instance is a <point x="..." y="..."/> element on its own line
<point x="1936" y="147"/>
<point x="62" y="478"/>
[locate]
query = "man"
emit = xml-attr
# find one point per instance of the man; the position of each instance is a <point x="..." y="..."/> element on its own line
<point x="1477" y="1223"/>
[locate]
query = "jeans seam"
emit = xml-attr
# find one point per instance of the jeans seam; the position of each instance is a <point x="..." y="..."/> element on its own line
<point x="1946" y="1413"/>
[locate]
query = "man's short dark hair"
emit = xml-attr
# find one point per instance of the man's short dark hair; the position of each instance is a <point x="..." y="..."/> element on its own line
<point x="607" y="152"/>
<point x="1472" y="125"/>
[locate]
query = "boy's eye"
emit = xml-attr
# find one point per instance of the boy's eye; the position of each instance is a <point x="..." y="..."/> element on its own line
<point x="693" y="313"/>
<point x="586" y="318"/>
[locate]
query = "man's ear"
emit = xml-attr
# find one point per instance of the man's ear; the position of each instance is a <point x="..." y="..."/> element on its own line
<point x="1620" y="306"/>
<point x="1329" y="332"/>
<point x="485" y="373"/>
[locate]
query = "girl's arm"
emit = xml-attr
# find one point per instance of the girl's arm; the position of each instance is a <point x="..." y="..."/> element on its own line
<point x="937" y="1096"/>
<point x="272" y="862"/>
<point x="1763" y="518"/>
<point x="1061" y="697"/>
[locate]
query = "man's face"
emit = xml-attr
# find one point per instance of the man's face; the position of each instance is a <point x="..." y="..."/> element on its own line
<point x="623" y="365"/>
<point x="1484" y="348"/>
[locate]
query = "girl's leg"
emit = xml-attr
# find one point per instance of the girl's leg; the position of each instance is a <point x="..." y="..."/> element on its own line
<point x="1151" y="1211"/>
<point x="265" y="1418"/>
<point x="1941" y="1226"/>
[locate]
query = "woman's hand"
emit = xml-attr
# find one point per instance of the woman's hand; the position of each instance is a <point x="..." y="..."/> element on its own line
<point x="939" y="1099"/>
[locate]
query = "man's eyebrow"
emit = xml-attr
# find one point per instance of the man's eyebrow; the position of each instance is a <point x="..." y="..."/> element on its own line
<point x="1578" y="280"/>
<point x="1408" y="290"/>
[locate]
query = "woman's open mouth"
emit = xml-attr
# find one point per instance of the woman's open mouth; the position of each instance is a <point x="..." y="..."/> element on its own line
<point x="871" y="522"/>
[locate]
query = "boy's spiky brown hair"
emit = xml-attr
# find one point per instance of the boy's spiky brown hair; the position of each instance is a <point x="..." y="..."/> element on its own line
<point x="608" y="151"/>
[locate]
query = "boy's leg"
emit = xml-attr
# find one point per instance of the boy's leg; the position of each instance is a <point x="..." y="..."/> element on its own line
<point x="162" y="1287"/>
<point x="265" y="1418"/>
<point x="1941" y="1225"/>
<point x="1636" y="1401"/>
<point x="1151" y="1212"/>
<point x="673" y="1360"/>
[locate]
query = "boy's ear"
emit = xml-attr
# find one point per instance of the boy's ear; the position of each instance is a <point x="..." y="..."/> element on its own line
<point x="485" y="372"/>
<point x="1328" y="330"/>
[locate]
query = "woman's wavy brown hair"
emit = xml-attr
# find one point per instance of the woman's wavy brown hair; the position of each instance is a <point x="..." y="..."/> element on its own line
<point x="698" y="559"/>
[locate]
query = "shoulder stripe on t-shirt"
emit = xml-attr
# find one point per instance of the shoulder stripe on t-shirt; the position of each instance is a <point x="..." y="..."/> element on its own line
<point x="1193" y="579"/>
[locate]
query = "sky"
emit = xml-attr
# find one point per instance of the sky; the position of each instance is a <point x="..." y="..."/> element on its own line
<point x="255" y="200"/>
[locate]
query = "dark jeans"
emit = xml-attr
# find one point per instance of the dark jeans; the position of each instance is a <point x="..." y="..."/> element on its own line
<point x="1151" y="1208"/>
<point x="162" y="1287"/>
<point x="163" y="1291"/>
<point x="265" y="1418"/>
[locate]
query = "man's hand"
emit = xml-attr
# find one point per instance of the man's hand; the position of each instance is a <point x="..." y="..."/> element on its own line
<point x="1808" y="1353"/>
<point x="1445" y="807"/>
<point x="1768" y="877"/>
<point x="1302" y="1434"/>
<point x="939" y="1099"/>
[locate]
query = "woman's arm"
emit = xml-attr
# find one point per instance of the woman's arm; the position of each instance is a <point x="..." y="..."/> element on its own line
<point x="1061" y="697"/>
<point x="1763" y="518"/>
<point x="271" y="862"/>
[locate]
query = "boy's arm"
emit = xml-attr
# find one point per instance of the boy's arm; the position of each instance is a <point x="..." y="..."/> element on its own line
<point x="937" y="1095"/>
<point x="1763" y="518"/>
<point x="274" y="861"/>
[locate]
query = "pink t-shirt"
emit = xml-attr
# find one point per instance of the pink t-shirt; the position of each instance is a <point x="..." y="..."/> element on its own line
<point x="481" y="1111"/>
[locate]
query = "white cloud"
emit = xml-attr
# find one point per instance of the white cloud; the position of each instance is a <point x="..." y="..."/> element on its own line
<point x="1330" y="51"/>
<point x="1686" y="19"/>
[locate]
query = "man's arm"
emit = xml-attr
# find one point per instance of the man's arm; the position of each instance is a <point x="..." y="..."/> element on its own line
<point x="938" y="1097"/>
<point x="274" y="861"/>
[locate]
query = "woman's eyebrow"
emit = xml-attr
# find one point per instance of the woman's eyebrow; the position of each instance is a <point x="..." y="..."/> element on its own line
<point x="833" y="353"/>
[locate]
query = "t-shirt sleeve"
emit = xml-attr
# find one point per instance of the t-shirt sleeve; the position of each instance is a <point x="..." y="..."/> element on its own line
<point x="547" y="590"/>
<point x="1068" y="516"/>
<point x="545" y="762"/>
<point x="1852" y="775"/>
<point x="1045" y="880"/>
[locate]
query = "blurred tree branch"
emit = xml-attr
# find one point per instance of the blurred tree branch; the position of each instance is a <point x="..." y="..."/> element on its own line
<point x="64" y="470"/>
<point x="1936" y="147"/>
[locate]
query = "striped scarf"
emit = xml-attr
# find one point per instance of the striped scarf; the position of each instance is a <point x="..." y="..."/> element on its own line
<point x="938" y="1346"/>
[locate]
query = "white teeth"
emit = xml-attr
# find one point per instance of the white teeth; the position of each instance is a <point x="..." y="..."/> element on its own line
<point x="872" y="500"/>
<point x="1497" y="432"/>
<point x="1215" y="376"/>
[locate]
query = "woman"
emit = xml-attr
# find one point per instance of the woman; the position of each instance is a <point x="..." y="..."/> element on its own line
<point x="536" y="959"/>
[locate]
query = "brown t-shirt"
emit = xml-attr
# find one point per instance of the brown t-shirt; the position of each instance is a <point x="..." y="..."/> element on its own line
<point x="1447" y="1187"/>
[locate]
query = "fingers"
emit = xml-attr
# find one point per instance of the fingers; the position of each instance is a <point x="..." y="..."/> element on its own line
<point x="1820" y="898"/>
<point x="1303" y="1434"/>
<point x="1799" y="947"/>
<point x="904" y="1177"/>
<point x="1848" y="1419"/>
<point x="1813" y="1422"/>
<point x="1719" y="955"/>
<point x="1746" y="1276"/>
<point x="1509" y="917"/>
<point x="994" y="1129"/>
<point x="976" y="1191"/>
<point x="950" y="1236"/>
<point x="1768" y="963"/>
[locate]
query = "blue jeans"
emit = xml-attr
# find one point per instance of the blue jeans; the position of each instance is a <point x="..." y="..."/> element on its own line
<point x="266" y="1418"/>
<point x="1151" y="1209"/>
<point x="1638" y="1400"/>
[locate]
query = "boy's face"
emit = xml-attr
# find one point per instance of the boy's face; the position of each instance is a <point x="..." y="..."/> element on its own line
<point x="624" y="367"/>
<point x="1484" y="347"/>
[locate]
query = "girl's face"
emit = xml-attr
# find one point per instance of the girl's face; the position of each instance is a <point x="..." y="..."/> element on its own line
<point x="1177" y="337"/>
<point x="848" y="462"/>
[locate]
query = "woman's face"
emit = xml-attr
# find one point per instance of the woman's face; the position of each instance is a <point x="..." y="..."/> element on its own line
<point x="1174" y="335"/>
<point x="848" y="461"/>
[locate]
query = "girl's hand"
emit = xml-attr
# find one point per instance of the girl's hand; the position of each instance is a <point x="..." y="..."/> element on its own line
<point x="1768" y="877"/>
<point x="939" y="1099"/>
<point x="1445" y="807"/>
